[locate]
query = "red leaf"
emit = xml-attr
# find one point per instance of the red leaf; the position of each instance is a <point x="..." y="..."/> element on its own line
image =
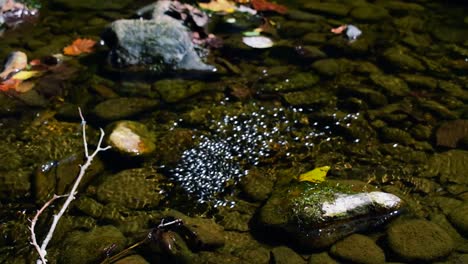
<point x="264" y="5"/>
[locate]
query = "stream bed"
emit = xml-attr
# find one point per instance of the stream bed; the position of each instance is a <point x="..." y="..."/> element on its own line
<point x="339" y="135"/>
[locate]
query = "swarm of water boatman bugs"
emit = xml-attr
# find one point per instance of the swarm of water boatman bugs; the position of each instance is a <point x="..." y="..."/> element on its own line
<point x="237" y="142"/>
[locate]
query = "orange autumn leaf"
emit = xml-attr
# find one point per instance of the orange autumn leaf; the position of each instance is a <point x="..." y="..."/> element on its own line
<point x="264" y="5"/>
<point x="80" y="45"/>
<point x="9" y="84"/>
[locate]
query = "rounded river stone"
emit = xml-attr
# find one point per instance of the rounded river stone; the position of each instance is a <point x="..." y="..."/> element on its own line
<point x="419" y="240"/>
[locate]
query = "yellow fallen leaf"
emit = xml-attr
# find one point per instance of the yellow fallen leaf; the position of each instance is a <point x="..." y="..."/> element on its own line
<point x="219" y="6"/>
<point x="24" y="75"/>
<point x="316" y="175"/>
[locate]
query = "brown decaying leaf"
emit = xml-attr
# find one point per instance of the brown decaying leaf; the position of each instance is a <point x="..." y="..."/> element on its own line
<point x="451" y="132"/>
<point x="79" y="46"/>
<point x="263" y="5"/>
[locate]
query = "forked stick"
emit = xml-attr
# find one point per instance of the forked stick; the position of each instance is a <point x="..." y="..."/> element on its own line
<point x="41" y="250"/>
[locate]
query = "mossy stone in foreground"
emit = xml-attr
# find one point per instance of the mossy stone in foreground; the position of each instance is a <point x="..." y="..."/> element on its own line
<point x="120" y="108"/>
<point x="358" y="249"/>
<point x="88" y="247"/>
<point x="419" y="240"/>
<point x="134" y="188"/>
<point x="459" y="218"/>
<point x="285" y="255"/>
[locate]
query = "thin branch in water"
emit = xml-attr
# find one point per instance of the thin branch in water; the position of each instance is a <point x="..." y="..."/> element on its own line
<point x="70" y="196"/>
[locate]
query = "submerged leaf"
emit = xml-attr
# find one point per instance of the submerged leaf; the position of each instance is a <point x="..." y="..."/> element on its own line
<point x="219" y="6"/>
<point x="10" y="84"/>
<point x="263" y="5"/>
<point x="258" y="42"/>
<point x="79" y="46"/>
<point x="315" y="175"/>
<point x="24" y="75"/>
<point x="450" y="133"/>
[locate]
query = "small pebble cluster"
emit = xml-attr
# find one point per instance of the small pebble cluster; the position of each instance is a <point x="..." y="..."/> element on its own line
<point x="236" y="143"/>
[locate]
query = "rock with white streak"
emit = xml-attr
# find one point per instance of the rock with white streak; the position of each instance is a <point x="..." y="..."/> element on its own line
<point x="317" y="215"/>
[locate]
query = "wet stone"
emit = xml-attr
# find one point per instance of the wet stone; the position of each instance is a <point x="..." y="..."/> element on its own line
<point x="396" y="135"/>
<point x="315" y="38"/>
<point x="459" y="218"/>
<point x="336" y="9"/>
<point x="257" y="184"/>
<point x="307" y="212"/>
<point x="256" y="255"/>
<point x="206" y="234"/>
<point x="299" y="15"/>
<point x="122" y="108"/>
<point x="294" y="29"/>
<point x="449" y="34"/>
<point x="391" y="84"/>
<point x="285" y="255"/>
<point x="296" y="81"/>
<point x="369" y="13"/>
<point x="311" y="52"/>
<point x="87" y="247"/>
<point x="15" y="184"/>
<point x="399" y="58"/>
<point x="131" y="138"/>
<point x="400" y="6"/>
<point x="133" y="188"/>
<point x="332" y="67"/>
<point x="420" y="81"/>
<point x="419" y="240"/>
<point x="358" y="249"/>
<point x="309" y="97"/>
<point x="451" y="166"/>
<point x="89" y="206"/>
<point x="323" y="258"/>
<point x="173" y="91"/>
<point x="133" y="259"/>
<point x="437" y="108"/>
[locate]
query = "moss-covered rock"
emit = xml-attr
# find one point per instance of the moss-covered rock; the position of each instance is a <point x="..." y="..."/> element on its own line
<point x="329" y="8"/>
<point x="285" y="255"/>
<point x="358" y="249"/>
<point x="323" y="258"/>
<point x="122" y="108"/>
<point x="419" y="240"/>
<point x="133" y="259"/>
<point x="332" y="67"/>
<point x="369" y="13"/>
<point x="296" y="81"/>
<point x="133" y="188"/>
<point x="392" y="85"/>
<point x="175" y="90"/>
<point x="459" y="218"/>
<point x="299" y="210"/>
<point x="400" y="58"/>
<point x="88" y="247"/>
<point x="450" y="166"/>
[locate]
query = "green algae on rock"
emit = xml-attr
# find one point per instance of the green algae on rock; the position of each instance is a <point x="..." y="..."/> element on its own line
<point x="358" y="249"/>
<point x="134" y="188"/>
<point x="124" y="107"/>
<point x="419" y="240"/>
<point x="317" y="215"/>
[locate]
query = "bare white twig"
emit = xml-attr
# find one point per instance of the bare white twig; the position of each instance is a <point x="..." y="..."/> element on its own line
<point x="70" y="196"/>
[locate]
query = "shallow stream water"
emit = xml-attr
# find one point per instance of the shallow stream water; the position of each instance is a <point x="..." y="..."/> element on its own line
<point x="388" y="109"/>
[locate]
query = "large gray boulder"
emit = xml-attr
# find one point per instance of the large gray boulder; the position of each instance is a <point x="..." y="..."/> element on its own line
<point x="161" y="43"/>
